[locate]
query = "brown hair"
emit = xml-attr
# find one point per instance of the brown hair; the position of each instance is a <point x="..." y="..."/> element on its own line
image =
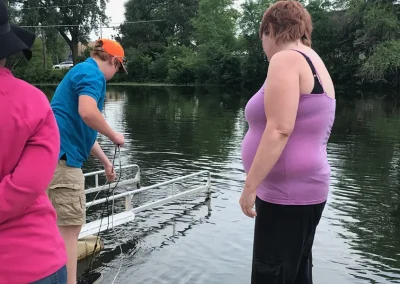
<point x="287" y="21"/>
<point x="99" y="52"/>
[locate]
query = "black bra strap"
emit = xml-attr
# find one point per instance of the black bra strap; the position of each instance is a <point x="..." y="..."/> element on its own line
<point x="318" y="89"/>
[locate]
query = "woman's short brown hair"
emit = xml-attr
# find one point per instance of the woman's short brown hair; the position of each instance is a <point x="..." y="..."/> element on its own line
<point x="287" y="21"/>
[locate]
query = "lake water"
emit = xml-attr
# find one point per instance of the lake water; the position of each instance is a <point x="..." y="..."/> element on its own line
<point x="174" y="131"/>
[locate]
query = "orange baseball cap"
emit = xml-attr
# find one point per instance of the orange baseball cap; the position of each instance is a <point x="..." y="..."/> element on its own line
<point x="113" y="48"/>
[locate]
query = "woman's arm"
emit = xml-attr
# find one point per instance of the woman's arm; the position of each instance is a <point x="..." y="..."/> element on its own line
<point x="34" y="171"/>
<point x="281" y="101"/>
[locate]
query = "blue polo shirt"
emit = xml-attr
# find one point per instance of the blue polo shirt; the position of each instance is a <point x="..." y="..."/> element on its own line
<point x="77" y="138"/>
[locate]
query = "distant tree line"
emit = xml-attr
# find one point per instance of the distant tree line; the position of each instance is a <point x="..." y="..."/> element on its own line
<point x="212" y="42"/>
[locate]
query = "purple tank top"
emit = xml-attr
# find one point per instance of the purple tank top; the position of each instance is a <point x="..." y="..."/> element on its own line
<point x="302" y="174"/>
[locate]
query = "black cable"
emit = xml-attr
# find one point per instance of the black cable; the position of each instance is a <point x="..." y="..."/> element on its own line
<point x="105" y="207"/>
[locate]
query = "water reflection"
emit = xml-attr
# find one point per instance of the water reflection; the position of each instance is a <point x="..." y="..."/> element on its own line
<point x="186" y="120"/>
<point x="175" y="131"/>
<point x="366" y="143"/>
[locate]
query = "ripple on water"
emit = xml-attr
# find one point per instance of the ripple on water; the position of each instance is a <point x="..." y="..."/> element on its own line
<point x="201" y="240"/>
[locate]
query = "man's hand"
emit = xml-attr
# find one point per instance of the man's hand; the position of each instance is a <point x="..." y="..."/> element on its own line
<point x="108" y="167"/>
<point x="110" y="173"/>
<point x="118" y="139"/>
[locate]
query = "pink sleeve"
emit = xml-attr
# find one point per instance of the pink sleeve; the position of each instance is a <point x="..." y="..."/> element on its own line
<point x="34" y="171"/>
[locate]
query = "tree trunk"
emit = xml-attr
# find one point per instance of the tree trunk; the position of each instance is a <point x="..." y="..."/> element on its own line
<point x="44" y="49"/>
<point x="66" y="38"/>
<point x="74" y="49"/>
<point x="73" y="45"/>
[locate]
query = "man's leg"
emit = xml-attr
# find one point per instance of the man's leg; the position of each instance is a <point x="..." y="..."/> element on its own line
<point x="70" y="235"/>
<point x="67" y="194"/>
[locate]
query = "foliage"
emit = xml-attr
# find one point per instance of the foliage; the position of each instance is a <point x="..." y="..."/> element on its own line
<point x="383" y="63"/>
<point x="160" y="23"/>
<point x="74" y="19"/>
<point x="211" y="42"/>
<point x="253" y="60"/>
<point x="33" y="70"/>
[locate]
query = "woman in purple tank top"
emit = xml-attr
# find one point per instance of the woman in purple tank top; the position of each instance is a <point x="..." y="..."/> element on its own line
<point x="284" y="151"/>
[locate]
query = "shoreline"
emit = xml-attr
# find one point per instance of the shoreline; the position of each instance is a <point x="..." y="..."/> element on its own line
<point x="139" y="84"/>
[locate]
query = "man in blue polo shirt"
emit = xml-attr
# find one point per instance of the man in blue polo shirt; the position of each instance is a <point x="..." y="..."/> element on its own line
<point x="77" y="105"/>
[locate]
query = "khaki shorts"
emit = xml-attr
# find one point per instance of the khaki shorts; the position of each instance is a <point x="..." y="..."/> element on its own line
<point x="67" y="194"/>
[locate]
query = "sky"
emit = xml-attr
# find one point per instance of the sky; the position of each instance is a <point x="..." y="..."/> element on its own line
<point x="115" y="11"/>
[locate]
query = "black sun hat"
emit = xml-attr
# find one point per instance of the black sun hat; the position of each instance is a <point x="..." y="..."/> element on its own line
<point x="13" y="39"/>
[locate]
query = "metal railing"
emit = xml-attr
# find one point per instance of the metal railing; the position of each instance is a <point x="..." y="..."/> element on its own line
<point x="129" y="212"/>
<point x="98" y="187"/>
<point x="129" y="194"/>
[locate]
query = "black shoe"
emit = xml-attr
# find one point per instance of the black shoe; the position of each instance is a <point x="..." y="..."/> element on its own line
<point x="93" y="278"/>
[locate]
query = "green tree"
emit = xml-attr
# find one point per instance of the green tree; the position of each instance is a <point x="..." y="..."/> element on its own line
<point x="74" y="19"/>
<point x="33" y="70"/>
<point x="210" y="42"/>
<point x="333" y="38"/>
<point x="13" y="11"/>
<point x="379" y="40"/>
<point x="253" y="60"/>
<point x="152" y="25"/>
<point x="153" y="31"/>
<point x="358" y="40"/>
<point x="56" y="47"/>
<point x="217" y="57"/>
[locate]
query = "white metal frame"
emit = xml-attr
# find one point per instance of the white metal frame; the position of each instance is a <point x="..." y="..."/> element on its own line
<point x="97" y="173"/>
<point x="129" y="214"/>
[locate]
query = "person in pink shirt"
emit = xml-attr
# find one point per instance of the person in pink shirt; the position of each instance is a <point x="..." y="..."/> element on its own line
<point x="31" y="247"/>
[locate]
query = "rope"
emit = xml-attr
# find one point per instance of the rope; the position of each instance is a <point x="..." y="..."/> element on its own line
<point x="108" y="192"/>
<point x="97" y="195"/>
<point x="105" y="207"/>
<point x="122" y="261"/>
<point x="120" y="266"/>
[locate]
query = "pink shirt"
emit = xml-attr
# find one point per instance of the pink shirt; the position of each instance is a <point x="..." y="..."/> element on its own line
<point x="31" y="246"/>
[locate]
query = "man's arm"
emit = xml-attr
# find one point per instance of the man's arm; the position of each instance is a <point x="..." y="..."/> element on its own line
<point x="89" y="86"/>
<point x="92" y="116"/>
<point x="99" y="154"/>
<point x="34" y="171"/>
<point x="108" y="166"/>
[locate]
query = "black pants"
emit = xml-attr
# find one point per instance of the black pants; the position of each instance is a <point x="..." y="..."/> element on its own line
<point x="283" y="239"/>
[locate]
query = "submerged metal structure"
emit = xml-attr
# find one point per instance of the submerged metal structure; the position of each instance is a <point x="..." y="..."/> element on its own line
<point x="129" y="212"/>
